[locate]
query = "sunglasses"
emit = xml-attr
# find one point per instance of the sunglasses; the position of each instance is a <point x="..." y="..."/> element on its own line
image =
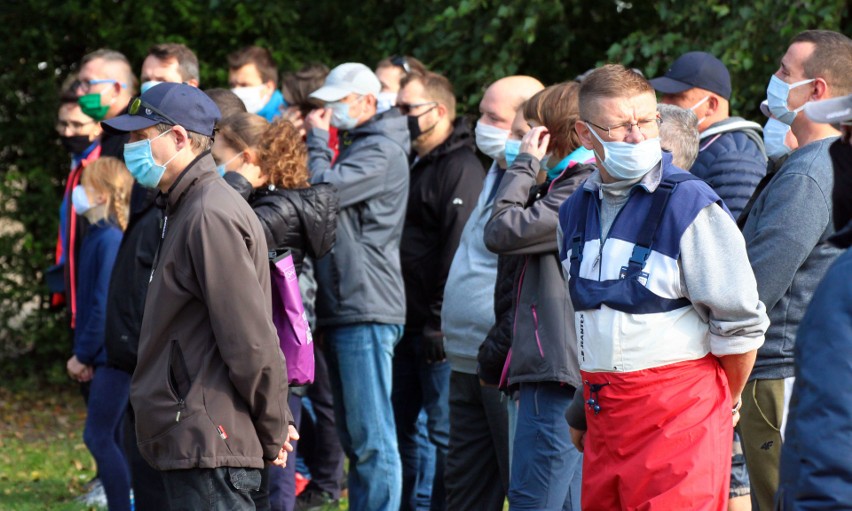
<point x="137" y="103"/>
<point x="406" y="108"/>
<point x="401" y="61"/>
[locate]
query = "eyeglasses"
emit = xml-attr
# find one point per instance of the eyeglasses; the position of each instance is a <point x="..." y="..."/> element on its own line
<point x="86" y="85"/>
<point x="406" y="108"/>
<point x="137" y="103"/>
<point x="75" y="126"/>
<point x="401" y="61"/>
<point x="620" y="131"/>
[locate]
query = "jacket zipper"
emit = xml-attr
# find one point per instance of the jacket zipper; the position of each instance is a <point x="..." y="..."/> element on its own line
<point x="599" y="260"/>
<point x="535" y="323"/>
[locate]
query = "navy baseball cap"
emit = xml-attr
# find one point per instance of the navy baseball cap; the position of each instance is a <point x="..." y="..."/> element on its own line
<point x="695" y="69"/>
<point x="168" y="103"/>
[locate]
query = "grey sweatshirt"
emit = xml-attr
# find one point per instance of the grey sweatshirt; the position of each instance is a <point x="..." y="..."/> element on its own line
<point x="787" y="235"/>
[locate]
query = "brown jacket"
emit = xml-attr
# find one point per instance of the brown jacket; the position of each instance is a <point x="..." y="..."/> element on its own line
<point x="210" y="386"/>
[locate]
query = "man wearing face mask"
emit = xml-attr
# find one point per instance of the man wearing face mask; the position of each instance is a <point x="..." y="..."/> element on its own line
<point x="360" y="302"/>
<point x="787" y="232"/>
<point x="253" y="77"/>
<point x="731" y="156"/>
<point x="446" y="178"/>
<point x="666" y="311"/>
<point x="477" y="471"/>
<point x="169" y="62"/>
<point x="210" y="384"/>
<point x="815" y="470"/>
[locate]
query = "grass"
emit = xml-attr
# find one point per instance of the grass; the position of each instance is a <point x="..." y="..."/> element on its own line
<point x="44" y="463"/>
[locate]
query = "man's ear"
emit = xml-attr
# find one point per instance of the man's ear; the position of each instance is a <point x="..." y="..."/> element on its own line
<point x="181" y="137"/>
<point x="192" y="82"/>
<point x="821" y="90"/>
<point x="583" y="132"/>
<point x="712" y="105"/>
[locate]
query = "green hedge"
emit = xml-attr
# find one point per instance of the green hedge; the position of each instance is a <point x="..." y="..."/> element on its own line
<point x="471" y="41"/>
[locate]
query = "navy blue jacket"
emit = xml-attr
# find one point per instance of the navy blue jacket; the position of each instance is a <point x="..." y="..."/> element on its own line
<point x="816" y="472"/>
<point x="732" y="160"/>
<point x="97" y="257"/>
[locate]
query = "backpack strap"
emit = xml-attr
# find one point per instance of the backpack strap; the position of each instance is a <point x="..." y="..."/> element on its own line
<point x="645" y="240"/>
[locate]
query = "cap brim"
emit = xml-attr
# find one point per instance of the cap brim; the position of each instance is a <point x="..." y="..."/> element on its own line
<point x="329" y="93"/>
<point x="666" y="85"/>
<point x="830" y="111"/>
<point x="127" y="123"/>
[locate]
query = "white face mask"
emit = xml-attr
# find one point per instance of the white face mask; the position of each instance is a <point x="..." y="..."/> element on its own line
<point x="491" y="140"/>
<point x="80" y="200"/>
<point x="777" y="94"/>
<point x="693" y="107"/>
<point x="623" y="160"/>
<point x="385" y="101"/>
<point x="775" y="138"/>
<point x="252" y="97"/>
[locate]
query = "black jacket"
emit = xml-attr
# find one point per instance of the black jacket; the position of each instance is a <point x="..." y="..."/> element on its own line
<point x="302" y="220"/>
<point x="129" y="283"/>
<point x="445" y="185"/>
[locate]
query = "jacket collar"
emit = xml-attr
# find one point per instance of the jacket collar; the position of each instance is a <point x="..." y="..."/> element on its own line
<point x="202" y="167"/>
<point x="460" y="136"/>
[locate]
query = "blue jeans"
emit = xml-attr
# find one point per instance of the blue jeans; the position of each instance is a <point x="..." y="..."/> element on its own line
<point x="108" y="395"/>
<point x="419" y="385"/>
<point x="546" y="468"/>
<point x="426" y="467"/>
<point x="360" y="360"/>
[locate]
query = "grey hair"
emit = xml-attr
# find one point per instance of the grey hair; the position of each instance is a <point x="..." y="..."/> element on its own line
<point x="679" y="134"/>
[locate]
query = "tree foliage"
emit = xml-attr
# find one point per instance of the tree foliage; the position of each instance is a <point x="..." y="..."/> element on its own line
<point x="473" y="42"/>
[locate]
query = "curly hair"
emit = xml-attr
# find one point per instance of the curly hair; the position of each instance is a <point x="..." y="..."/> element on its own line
<point x="283" y="156"/>
<point x="110" y="176"/>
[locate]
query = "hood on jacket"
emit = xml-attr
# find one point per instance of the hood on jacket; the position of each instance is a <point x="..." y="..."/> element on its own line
<point x="461" y="136"/>
<point x="750" y="129"/>
<point x="391" y="124"/>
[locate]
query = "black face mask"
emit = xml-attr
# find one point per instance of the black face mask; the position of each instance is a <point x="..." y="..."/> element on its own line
<point x="76" y="144"/>
<point x="841" y="196"/>
<point x="414" y="125"/>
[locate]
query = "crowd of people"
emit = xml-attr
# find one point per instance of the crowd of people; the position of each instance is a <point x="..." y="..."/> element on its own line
<point x="633" y="304"/>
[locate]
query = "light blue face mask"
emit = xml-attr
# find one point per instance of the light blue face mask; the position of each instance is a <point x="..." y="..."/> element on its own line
<point x="513" y="149"/>
<point x="80" y="200"/>
<point x="140" y="162"/>
<point x="147" y="85"/>
<point x="340" y="117"/>
<point x="221" y="167"/>
<point x="623" y="160"/>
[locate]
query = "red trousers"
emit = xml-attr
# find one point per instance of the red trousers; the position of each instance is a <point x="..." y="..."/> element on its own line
<point x="661" y="439"/>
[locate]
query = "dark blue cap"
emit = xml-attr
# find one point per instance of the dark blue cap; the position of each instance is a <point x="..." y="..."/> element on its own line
<point x="169" y="103"/>
<point x="695" y="69"/>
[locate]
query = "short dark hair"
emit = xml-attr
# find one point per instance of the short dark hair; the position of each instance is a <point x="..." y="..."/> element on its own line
<point x="129" y="79"/>
<point x="260" y="57"/>
<point x="186" y="59"/>
<point x="197" y="141"/>
<point x="437" y="88"/>
<point x="228" y="102"/>
<point x="296" y="86"/>
<point x="831" y="59"/>
<point x="611" y="81"/>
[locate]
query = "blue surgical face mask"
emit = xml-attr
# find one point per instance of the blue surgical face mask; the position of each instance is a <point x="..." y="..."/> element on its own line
<point x="513" y="149"/>
<point x="221" y="167"/>
<point x="623" y="160"/>
<point x="775" y="138"/>
<point x="777" y="94"/>
<point x="80" y="200"/>
<point x="147" y="85"/>
<point x="340" y="117"/>
<point x="140" y="162"/>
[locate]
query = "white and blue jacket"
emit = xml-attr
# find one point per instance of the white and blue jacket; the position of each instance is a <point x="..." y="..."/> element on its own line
<point x="635" y="307"/>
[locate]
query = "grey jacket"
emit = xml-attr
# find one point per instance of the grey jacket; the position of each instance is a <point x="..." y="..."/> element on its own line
<point x="360" y="280"/>
<point x="787" y="235"/>
<point x="544" y="347"/>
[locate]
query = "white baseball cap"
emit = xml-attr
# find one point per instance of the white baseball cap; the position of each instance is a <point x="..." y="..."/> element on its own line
<point x="346" y="79"/>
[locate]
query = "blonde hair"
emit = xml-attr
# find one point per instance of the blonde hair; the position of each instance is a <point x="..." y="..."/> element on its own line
<point x="109" y="176"/>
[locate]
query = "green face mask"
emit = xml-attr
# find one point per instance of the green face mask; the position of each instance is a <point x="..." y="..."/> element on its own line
<point x="90" y="104"/>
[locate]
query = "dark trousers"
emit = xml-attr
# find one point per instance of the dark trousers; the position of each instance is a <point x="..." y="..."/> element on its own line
<point x="149" y="493"/>
<point x="477" y="471"/>
<point x="319" y="444"/>
<point x="282" y="481"/>
<point x="211" y="489"/>
<point x="418" y="385"/>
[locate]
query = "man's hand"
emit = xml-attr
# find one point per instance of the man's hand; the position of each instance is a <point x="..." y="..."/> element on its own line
<point x="292" y="435"/>
<point x="433" y="347"/>
<point x="319" y="118"/>
<point x="253" y="174"/>
<point x="535" y="142"/>
<point x="78" y="371"/>
<point x="293" y="115"/>
<point x="578" y="438"/>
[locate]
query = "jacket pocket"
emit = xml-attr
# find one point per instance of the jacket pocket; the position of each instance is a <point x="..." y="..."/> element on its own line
<point x="179" y="379"/>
